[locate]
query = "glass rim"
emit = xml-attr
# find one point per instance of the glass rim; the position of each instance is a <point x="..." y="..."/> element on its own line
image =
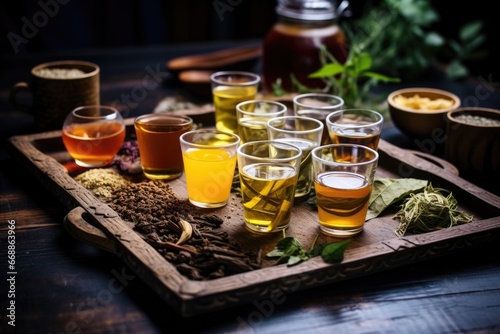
<point x="110" y="111"/>
<point x="374" y="153"/>
<point x="296" y="101"/>
<point x="269" y="142"/>
<point x="245" y="112"/>
<point x="255" y="78"/>
<point x="235" y="139"/>
<point x="379" y="121"/>
<point x="188" y="119"/>
<point x="317" y="129"/>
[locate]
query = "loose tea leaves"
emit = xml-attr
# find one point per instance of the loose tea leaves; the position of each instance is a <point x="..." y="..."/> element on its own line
<point x="291" y="251"/>
<point x="387" y="191"/>
<point x="429" y="210"/>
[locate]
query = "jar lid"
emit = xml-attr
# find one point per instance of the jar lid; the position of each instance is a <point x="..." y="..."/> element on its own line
<point x="307" y="10"/>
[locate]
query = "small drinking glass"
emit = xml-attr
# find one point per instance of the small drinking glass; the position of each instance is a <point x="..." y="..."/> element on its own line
<point x="209" y="165"/>
<point x="355" y="126"/>
<point x="93" y="135"/>
<point x="268" y="173"/>
<point x="318" y="106"/>
<point x="228" y="89"/>
<point x="343" y="180"/>
<point x="303" y="132"/>
<point x="158" y="140"/>
<point x="253" y="116"/>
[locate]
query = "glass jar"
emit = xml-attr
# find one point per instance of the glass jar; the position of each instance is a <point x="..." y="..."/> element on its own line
<point x="292" y="45"/>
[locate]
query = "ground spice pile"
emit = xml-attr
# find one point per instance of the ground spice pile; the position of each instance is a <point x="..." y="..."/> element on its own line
<point x="190" y="240"/>
<point x="102" y="181"/>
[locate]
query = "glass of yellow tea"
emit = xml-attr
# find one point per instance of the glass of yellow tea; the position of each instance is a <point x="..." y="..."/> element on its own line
<point x="158" y="140"/>
<point x="268" y="173"/>
<point x="209" y="165"/>
<point x="355" y="126"/>
<point x="228" y="89"/>
<point x="252" y="118"/>
<point x="318" y="106"/>
<point x="303" y="132"/>
<point x="93" y="135"/>
<point x="343" y="180"/>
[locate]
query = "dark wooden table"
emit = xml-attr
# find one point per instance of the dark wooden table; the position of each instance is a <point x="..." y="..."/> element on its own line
<point x="65" y="286"/>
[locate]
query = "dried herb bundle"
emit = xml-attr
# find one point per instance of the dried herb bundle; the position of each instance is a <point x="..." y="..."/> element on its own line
<point x="429" y="210"/>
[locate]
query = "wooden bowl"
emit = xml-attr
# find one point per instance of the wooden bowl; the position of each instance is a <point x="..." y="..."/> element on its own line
<point x="474" y="148"/>
<point x="419" y="119"/>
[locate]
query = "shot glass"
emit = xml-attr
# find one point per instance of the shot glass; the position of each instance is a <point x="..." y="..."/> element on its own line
<point x="318" y="106"/>
<point x="303" y="132"/>
<point x="343" y="180"/>
<point x="209" y="165"/>
<point x="93" y="135"/>
<point x="355" y="126"/>
<point x="158" y="140"/>
<point x="228" y="89"/>
<point x="268" y="173"/>
<point x="252" y="118"/>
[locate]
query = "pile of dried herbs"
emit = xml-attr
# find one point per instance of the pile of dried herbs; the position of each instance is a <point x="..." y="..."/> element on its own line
<point x="430" y="210"/>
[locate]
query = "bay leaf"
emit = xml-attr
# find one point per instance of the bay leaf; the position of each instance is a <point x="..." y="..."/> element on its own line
<point x="387" y="191"/>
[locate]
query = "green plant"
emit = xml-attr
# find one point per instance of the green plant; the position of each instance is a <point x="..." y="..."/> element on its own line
<point x="399" y="36"/>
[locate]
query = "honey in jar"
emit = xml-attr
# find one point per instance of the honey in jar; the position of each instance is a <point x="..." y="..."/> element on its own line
<point x="292" y="46"/>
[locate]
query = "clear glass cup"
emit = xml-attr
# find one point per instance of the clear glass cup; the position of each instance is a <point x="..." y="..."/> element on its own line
<point x="209" y="166"/>
<point x="268" y="173"/>
<point x="253" y="116"/>
<point x="343" y="181"/>
<point x="318" y="106"/>
<point x="158" y="140"/>
<point x="93" y="135"/>
<point x="228" y="89"/>
<point x="355" y="126"/>
<point x="303" y="132"/>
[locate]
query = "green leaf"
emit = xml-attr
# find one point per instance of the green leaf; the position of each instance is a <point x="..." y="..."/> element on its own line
<point x="434" y="39"/>
<point x="328" y="70"/>
<point x="390" y="191"/>
<point x="334" y="252"/>
<point x="380" y="77"/>
<point x="470" y="31"/>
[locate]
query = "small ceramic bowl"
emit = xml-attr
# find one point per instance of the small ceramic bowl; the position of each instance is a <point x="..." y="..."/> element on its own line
<point x="473" y="142"/>
<point x="420" y="112"/>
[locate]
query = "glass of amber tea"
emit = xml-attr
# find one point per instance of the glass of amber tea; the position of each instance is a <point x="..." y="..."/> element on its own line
<point x="318" y="106"/>
<point x="253" y="116"/>
<point x="93" y="135"/>
<point x="228" y="89"/>
<point x="343" y="180"/>
<point x="159" y="148"/>
<point x="210" y="162"/>
<point x="355" y="126"/>
<point x="268" y="173"/>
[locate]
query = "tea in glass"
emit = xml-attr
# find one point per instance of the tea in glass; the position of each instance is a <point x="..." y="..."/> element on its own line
<point x="209" y="163"/>
<point x="158" y="140"/>
<point x="228" y="89"/>
<point x="343" y="180"/>
<point x="268" y="173"/>
<point x="93" y="135"/>
<point x="355" y="126"/>
<point x="253" y="116"/>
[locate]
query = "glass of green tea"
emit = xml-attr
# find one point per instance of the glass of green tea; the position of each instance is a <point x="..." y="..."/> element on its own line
<point x="343" y="180"/>
<point x="228" y="89"/>
<point x="355" y="126"/>
<point x="268" y="172"/>
<point x="303" y="132"/>
<point x="253" y="115"/>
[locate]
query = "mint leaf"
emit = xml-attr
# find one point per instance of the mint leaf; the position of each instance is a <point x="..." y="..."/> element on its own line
<point x="334" y="252"/>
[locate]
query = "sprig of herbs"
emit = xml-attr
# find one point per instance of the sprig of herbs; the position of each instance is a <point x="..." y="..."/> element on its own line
<point x="291" y="251"/>
<point x="429" y="210"/>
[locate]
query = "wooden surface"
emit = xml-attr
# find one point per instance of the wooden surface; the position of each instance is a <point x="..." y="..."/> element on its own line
<point x="64" y="285"/>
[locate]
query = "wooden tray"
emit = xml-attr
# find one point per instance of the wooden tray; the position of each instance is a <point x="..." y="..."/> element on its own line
<point x="376" y="249"/>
